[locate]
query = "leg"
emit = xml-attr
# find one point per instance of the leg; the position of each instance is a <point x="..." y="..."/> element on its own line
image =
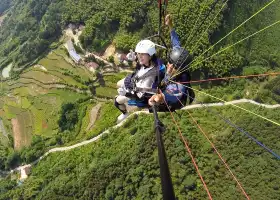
<point x="120" y="83"/>
<point x="120" y="103"/>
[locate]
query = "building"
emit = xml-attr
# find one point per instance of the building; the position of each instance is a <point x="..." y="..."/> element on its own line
<point x="92" y="66"/>
<point x="72" y="52"/>
<point x="69" y="45"/>
<point x="76" y="57"/>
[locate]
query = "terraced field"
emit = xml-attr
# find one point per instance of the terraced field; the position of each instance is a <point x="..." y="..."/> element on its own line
<point x="31" y="104"/>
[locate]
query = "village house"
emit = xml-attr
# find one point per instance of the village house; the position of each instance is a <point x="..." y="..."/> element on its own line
<point x="92" y="66"/>
<point x="72" y="52"/>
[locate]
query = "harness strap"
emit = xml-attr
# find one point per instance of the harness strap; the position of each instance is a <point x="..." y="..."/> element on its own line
<point x="147" y="90"/>
<point x="151" y="72"/>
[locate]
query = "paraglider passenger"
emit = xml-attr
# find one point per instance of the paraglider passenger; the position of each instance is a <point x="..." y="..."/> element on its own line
<point x="139" y="86"/>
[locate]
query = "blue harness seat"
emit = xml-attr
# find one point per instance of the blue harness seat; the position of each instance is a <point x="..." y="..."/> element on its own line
<point x="135" y="102"/>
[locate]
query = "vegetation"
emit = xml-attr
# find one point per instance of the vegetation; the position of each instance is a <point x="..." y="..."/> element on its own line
<point x="107" y="118"/>
<point x="52" y="117"/>
<point x="4" y="5"/>
<point x="126" y="22"/>
<point x="68" y="117"/>
<point x="52" y="104"/>
<point x="262" y="49"/>
<point x="99" y="171"/>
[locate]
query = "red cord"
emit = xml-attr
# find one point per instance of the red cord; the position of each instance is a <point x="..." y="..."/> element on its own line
<point x="232" y="77"/>
<point x="190" y="153"/>
<point x="239" y="184"/>
<point x="220" y="156"/>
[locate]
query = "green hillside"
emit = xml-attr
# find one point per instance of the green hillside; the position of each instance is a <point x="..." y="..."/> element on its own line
<point x="49" y="100"/>
<point x="124" y="164"/>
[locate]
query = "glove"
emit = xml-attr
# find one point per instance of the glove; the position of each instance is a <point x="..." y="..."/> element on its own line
<point x="128" y="82"/>
<point x="122" y="91"/>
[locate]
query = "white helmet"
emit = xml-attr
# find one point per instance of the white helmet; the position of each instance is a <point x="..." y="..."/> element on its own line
<point x="146" y="46"/>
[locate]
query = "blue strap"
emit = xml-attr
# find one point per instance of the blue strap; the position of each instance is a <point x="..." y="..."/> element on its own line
<point x="134" y="102"/>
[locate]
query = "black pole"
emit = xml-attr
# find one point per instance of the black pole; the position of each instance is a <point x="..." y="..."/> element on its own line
<point x="166" y="182"/>
<point x="160" y="16"/>
<point x="158" y="34"/>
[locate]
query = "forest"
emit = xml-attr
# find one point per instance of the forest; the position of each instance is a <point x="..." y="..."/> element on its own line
<point x="124" y="163"/>
<point x="35" y="25"/>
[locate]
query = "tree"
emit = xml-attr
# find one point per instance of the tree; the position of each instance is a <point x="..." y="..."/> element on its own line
<point x="68" y="117"/>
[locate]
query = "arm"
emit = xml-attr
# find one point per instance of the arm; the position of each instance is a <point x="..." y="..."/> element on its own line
<point x="174" y="39"/>
<point x="174" y="36"/>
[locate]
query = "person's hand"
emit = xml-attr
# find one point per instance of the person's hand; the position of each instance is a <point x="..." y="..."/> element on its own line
<point x="122" y="91"/>
<point x="168" y="21"/>
<point x="131" y="56"/>
<point x="170" y="69"/>
<point x="156" y="99"/>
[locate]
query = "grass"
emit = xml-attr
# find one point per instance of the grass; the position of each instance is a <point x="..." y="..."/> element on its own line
<point x="12" y="101"/>
<point x="11" y="111"/>
<point x="38" y="116"/>
<point x="57" y="65"/>
<point x="28" y="89"/>
<point x="232" y="90"/>
<point x="25" y="103"/>
<point x="26" y="124"/>
<point x="42" y="77"/>
<point x="66" y="79"/>
<point x="107" y="119"/>
<point x="50" y="107"/>
<point x="110" y="89"/>
<point x="106" y="92"/>
<point x="37" y="106"/>
<point x="114" y="78"/>
<point x="82" y="72"/>
<point x="47" y="107"/>
<point x="54" y="62"/>
<point x="1" y="103"/>
<point x="86" y="119"/>
<point x="4" y="141"/>
<point x="68" y="96"/>
<point x="22" y="92"/>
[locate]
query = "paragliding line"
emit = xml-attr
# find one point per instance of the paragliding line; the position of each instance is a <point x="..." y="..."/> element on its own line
<point x="161" y="15"/>
<point x="190" y="152"/>
<point x="218" y="153"/>
<point x="237" y="127"/>
<point x="230" y="33"/>
<point x="226" y="48"/>
<point x="212" y="21"/>
<point x="276" y="123"/>
<point x="233" y="77"/>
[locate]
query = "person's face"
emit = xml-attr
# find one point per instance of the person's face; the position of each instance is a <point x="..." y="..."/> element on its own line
<point x="144" y="58"/>
<point x="171" y="70"/>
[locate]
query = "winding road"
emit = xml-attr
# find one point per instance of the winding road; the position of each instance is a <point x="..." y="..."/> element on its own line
<point x="61" y="149"/>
